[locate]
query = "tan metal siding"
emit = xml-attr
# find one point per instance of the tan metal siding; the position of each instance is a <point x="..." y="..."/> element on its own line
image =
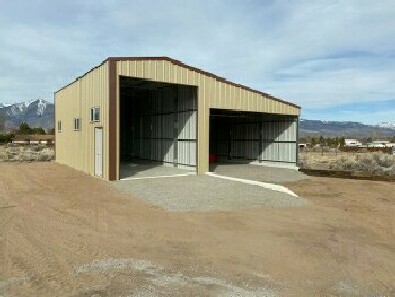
<point x="76" y="148"/>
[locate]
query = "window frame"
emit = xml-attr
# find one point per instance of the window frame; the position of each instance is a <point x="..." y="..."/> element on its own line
<point x="93" y="114"/>
<point x="59" y="126"/>
<point x="77" y="124"/>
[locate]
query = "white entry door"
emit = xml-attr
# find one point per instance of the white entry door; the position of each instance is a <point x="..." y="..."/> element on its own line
<point x="98" y="151"/>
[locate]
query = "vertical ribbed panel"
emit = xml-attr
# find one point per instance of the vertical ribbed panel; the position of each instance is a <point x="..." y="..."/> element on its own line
<point x="187" y="129"/>
<point x="279" y="141"/>
<point x="245" y="149"/>
<point x="255" y="138"/>
<point x="270" y="152"/>
<point x="245" y="141"/>
<point x="167" y="125"/>
<point x="187" y="152"/>
<point x="246" y="131"/>
<point x="167" y="118"/>
<point x="187" y="125"/>
<point x="287" y="152"/>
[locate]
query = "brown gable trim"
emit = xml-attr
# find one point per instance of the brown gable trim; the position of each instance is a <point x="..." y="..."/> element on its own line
<point x="218" y="78"/>
<point x="81" y="76"/>
<point x="112" y="121"/>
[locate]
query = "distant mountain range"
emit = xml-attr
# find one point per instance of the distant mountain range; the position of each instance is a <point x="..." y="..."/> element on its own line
<point x="41" y="113"/>
<point x="349" y="129"/>
<point x="386" y="125"/>
<point x="37" y="113"/>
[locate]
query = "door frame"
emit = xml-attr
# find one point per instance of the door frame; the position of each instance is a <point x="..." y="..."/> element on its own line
<point x="94" y="152"/>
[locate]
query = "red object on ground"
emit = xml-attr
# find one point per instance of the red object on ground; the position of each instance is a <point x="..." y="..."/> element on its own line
<point x="212" y="158"/>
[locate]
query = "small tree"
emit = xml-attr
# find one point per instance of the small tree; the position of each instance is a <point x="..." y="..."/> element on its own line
<point x="342" y="141"/>
<point x="328" y="141"/>
<point x="38" y="131"/>
<point x="24" y="129"/>
<point x="313" y="141"/>
<point x="2" y="121"/>
<point x="336" y="141"/>
<point x="322" y="140"/>
<point x="6" y="138"/>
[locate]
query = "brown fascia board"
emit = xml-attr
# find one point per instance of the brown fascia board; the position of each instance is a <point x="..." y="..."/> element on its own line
<point x="198" y="70"/>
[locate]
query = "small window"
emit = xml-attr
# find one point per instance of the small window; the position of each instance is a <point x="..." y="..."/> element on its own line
<point x="59" y="126"/>
<point x="95" y="114"/>
<point x="77" y="124"/>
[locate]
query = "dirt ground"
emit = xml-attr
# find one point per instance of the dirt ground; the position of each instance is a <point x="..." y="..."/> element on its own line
<point x="74" y="235"/>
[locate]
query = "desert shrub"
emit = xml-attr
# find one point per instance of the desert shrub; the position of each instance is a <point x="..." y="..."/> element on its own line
<point x="376" y="157"/>
<point x="376" y="162"/>
<point x="346" y="165"/>
<point x="385" y="161"/>
<point x="391" y="170"/>
<point x="343" y="159"/>
<point x="367" y="164"/>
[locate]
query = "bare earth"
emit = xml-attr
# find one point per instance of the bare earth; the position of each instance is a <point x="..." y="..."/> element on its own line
<point x="74" y="235"/>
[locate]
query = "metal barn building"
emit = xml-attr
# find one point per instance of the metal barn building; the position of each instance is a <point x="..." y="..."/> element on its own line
<point x="161" y="110"/>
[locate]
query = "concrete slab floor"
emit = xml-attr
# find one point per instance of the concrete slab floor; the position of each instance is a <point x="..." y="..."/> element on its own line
<point x="142" y="169"/>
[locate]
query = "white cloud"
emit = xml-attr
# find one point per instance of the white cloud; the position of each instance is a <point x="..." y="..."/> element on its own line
<point x="316" y="53"/>
<point x="313" y="83"/>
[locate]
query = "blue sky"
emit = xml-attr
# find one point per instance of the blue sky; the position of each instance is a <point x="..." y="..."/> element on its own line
<point x="334" y="58"/>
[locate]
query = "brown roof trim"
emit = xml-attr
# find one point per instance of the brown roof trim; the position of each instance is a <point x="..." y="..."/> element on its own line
<point x="81" y="76"/>
<point x="218" y="78"/>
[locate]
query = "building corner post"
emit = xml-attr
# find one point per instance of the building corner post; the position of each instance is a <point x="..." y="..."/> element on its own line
<point x="112" y="122"/>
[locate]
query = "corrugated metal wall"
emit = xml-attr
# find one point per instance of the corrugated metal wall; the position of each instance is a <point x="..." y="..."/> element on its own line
<point x="187" y="126"/>
<point x="165" y="120"/>
<point x="212" y="93"/>
<point x="76" y="148"/>
<point x="255" y="139"/>
<point x="245" y="141"/>
<point x="279" y="141"/>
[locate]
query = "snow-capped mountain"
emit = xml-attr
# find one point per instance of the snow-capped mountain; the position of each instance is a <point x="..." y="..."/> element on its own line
<point x="387" y="125"/>
<point x="37" y="113"/>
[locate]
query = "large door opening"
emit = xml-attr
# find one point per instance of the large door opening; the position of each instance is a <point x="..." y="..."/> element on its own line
<point x="157" y="126"/>
<point x="250" y="137"/>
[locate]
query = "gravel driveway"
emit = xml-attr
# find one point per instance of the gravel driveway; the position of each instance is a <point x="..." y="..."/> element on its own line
<point x="204" y="193"/>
